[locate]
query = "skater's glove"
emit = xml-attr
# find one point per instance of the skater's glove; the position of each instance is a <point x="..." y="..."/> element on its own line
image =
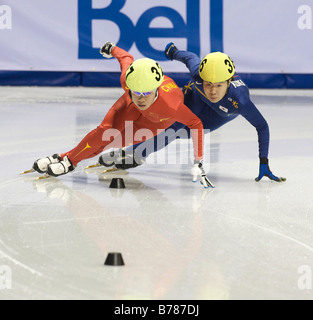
<point x="106" y="49"/>
<point x="198" y="171"/>
<point x="169" y="50"/>
<point x="265" y="171"/>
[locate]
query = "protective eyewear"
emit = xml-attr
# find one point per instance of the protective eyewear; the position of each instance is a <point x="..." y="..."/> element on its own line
<point x="138" y="94"/>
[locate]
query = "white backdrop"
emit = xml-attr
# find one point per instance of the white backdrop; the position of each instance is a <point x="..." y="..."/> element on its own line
<point x="268" y="36"/>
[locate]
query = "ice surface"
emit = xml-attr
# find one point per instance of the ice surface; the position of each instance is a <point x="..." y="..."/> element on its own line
<point x="241" y="240"/>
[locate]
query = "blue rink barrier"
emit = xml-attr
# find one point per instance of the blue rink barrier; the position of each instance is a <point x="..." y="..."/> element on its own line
<point x="112" y="79"/>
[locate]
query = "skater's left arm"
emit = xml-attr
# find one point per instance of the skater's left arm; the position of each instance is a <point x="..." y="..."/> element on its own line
<point x="190" y="59"/>
<point x="253" y="115"/>
<point x="186" y="116"/>
<point x="173" y="108"/>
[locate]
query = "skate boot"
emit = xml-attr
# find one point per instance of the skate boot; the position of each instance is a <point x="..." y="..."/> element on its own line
<point x="108" y="159"/>
<point x="41" y="165"/>
<point x="60" y="168"/>
<point x="128" y="161"/>
<point x="120" y="159"/>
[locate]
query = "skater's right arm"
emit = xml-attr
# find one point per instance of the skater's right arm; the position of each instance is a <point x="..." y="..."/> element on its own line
<point x="191" y="60"/>
<point x="125" y="59"/>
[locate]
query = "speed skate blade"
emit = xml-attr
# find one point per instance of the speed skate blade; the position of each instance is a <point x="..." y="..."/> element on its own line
<point x="115" y="170"/>
<point x="43" y="177"/>
<point x="93" y="166"/>
<point x="27" y="171"/>
<point x="98" y="169"/>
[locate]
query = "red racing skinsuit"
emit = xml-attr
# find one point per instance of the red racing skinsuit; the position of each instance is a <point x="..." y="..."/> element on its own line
<point x="125" y="124"/>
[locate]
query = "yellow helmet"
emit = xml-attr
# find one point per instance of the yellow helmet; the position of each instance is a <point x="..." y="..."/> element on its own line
<point x="144" y="75"/>
<point x="216" y="67"/>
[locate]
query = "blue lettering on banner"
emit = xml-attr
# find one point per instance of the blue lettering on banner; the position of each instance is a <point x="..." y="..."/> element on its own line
<point x="216" y="25"/>
<point x="141" y="32"/>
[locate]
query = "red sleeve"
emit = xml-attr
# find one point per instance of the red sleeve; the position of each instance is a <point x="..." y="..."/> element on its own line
<point x="125" y="59"/>
<point x="186" y="116"/>
<point x="181" y="113"/>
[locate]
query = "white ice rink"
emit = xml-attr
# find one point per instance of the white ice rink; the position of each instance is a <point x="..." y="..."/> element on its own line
<point x="241" y="240"/>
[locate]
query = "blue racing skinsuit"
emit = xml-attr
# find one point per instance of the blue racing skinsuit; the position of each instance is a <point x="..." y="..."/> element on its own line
<point x="213" y="115"/>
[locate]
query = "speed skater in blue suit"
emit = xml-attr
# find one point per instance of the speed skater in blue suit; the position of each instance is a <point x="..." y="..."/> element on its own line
<point x="216" y="95"/>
